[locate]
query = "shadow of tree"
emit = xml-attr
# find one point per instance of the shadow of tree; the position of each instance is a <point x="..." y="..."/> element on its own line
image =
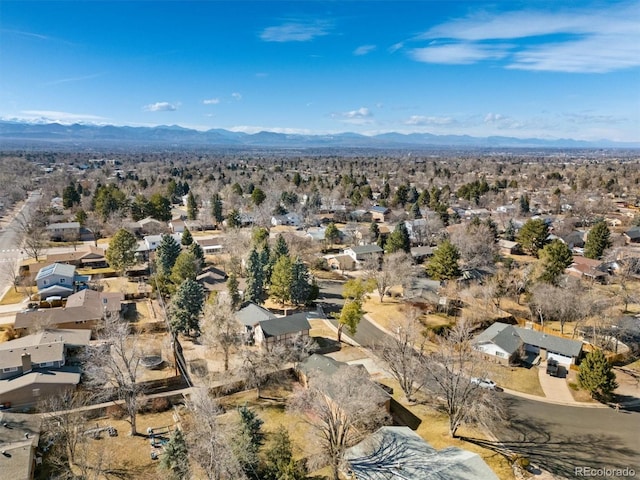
<point x="557" y="452"/>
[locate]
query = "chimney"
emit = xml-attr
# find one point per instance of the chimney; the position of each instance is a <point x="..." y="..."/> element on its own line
<point x="26" y="363"/>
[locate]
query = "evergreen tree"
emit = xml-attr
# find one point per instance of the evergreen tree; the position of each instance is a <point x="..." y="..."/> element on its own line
<point x="233" y="219"/>
<point x="174" y="459"/>
<point x="122" y="249"/>
<point x="374" y="231"/>
<point x="510" y="231"/>
<point x="185" y="268"/>
<point x="192" y="207"/>
<point x="216" y="208"/>
<point x="267" y="260"/>
<point x="399" y="240"/>
<point x="443" y="265"/>
<point x="555" y="257"/>
<point x="279" y="462"/>
<point x="232" y="289"/>
<point x="166" y="254"/>
<point x="415" y="211"/>
<point x="598" y="240"/>
<point x="300" y="286"/>
<point x="70" y="196"/>
<point x="258" y="196"/>
<point x="259" y="237"/>
<point x="597" y="376"/>
<point x="160" y="207"/>
<point x="524" y="204"/>
<point x="282" y="280"/>
<point x="186" y="306"/>
<point x="187" y="238"/>
<point x="198" y="254"/>
<point x="255" y="278"/>
<point x="332" y="234"/>
<point x="281" y="248"/>
<point x="533" y="235"/>
<point x="247" y="441"/>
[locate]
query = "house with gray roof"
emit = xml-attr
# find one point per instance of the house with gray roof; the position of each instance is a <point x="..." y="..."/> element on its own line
<point x="282" y="329"/>
<point x="508" y="342"/>
<point x="63" y="231"/>
<point x="19" y="437"/>
<point x="58" y="279"/>
<point x="398" y="453"/>
<point x="362" y="253"/>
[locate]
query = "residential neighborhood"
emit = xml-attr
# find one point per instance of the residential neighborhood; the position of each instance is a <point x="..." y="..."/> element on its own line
<point x="201" y="309"/>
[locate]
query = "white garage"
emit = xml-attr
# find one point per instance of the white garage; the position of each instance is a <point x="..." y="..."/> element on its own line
<point x="561" y="359"/>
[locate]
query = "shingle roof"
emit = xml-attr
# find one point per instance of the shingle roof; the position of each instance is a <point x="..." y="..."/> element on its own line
<point x="282" y="326"/>
<point x="398" y="453"/>
<point x="56" y="269"/>
<point x="365" y="249"/>
<point x="251" y="314"/>
<point x="68" y="336"/>
<point x="501" y="334"/>
<point x="59" y="377"/>
<point x="633" y="232"/>
<point x="379" y="209"/>
<point x="320" y="363"/>
<point x="50" y="352"/>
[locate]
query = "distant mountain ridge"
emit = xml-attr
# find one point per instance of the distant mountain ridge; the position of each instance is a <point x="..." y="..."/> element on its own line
<point x="174" y="135"/>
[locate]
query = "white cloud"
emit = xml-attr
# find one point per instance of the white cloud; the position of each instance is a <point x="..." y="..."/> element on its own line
<point x="362" y="112"/>
<point x="211" y="101"/>
<point x="160" y="107"/>
<point x="361" y="116"/>
<point x="457" y="54"/>
<point x="431" y="120"/>
<point x="236" y="95"/>
<point x="73" y="79"/>
<point x="583" y="40"/>
<point x="364" y="49"/>
<point x="52" y="116"/>
<point x="295" y="32"/>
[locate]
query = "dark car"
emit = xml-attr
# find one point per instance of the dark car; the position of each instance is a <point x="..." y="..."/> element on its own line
<point x="553" y="368"/>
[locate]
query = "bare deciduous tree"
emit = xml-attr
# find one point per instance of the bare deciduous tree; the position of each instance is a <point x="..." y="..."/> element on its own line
<point x="341" y="408"/>
<point x="450" y="369"/>
<point x="404" y="354"/>
<point x="209" y="440"/>
<point x="32" y="233"/>
<point x="220" y="328"/>
<point x="395" y="269"/>
<point x="114" y="367"/>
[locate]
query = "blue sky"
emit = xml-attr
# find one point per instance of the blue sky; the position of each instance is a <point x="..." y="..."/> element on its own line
<point x="548" y="69"/>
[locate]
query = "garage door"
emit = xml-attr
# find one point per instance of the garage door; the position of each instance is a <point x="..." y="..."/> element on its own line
<point x="561" y="359"/>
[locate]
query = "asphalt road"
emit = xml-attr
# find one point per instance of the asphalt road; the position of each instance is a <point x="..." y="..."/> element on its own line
<point x="562" y="438"/>
<point x="557" y="438"/>
<point x="9" y="235"/>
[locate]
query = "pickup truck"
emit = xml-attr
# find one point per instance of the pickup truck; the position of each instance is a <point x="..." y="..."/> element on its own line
<point x="552" y="368"/>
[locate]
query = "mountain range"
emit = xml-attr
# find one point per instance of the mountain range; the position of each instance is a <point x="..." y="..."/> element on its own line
<point x="29" y="134"/>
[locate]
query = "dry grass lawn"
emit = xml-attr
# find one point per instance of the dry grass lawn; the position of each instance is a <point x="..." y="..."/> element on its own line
<point x="519" y="379"/>
<point x="12" y="297"/>
<point x="387" y="313"/>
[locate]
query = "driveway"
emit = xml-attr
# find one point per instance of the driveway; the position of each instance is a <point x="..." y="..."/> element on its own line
<point x="554" y="388"/>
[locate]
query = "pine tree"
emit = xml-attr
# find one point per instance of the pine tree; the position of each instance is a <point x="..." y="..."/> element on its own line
<point x="166" y="254"/>
<point x="187" y="238"/>
<point x="247" y="441"/>
<point x="398" y="240"/>
<point x="174" y="459"/>
<point x="185" y="268"/>
<point x="443" y="265"/>
<point x="332" y="234"/>
<point x="267" y="260"/>
<point x="122" y="250"/>
<point x="192" y="207"/>
<point x="255" y="278"/>
<point x="597" y="376"/>
<point x="598" y="240"/>
<point x="282" y="280"/>
<point x="510" y="231"/>
<point x="198" y="254"/>
<point x="279" y="462"/>
<point x="258" y="196"/>
<point x="415" y="211"/>
<point x="216" y="208"/>
<point x="300" y="286"/>
<point x="186" y="306"/>
<point x="232" y="288"/>
<point x="374" y="231"/>
<point x="524" y="204"/>
<point x="533" y="235"/>
<point x="281" y="248"/>
<point x="555" y="258"/>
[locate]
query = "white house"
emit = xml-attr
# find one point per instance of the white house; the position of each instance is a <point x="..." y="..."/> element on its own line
<point x="63" y="231"/>
<point x="289" y="219"/>
<point x="151" y="242"/>
<point x="363" y="253"/>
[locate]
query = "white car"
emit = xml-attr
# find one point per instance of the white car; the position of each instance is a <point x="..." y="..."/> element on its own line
<point x="483" y="383"/>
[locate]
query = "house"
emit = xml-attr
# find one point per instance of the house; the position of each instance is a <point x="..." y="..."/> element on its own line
<point x="398" y="453"/>
<point x="63" y="231"/>
<point x="91" y="257"/>
<point x="379" y="213"/>
<point x="288" y="219"/>
<point x="510" y="209"/>
<point x="633" y="235"/>
<point x="423" y="290"/>
<point x="212" y="279"/>
<point x="416" y="229"/>
<point x="151" y="242"/>
<point x="508" y="342"/>
<point x="340" y="262"/>
<point x="583" y="267"/>
<point x="146" y="226"/>
<point x="419" y="254"/>
<point x="210" y="246"/>
<point x="574" y="239"/>
<point x="58" y="279"/>
<point x="250" y="315"/>
<point x="19" y="437"/>
<point x="35" y="366"/>
<point x="282" y="330"/>
<point x="362" y="253"/>
<point x="83" y="310"/>
<point x="507" y="247"/>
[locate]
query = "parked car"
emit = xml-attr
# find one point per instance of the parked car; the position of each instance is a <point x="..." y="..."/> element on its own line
<point x="552" y="368"/>
<point x="484" y="383"/>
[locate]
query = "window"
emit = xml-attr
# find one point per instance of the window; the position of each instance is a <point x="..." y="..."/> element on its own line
<point x="45" y="282"/>
<point x="47" y="364"/>
<point x="35" y="392"/>
<point x="9" y="369"/>
<point x="62" y="280"/>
